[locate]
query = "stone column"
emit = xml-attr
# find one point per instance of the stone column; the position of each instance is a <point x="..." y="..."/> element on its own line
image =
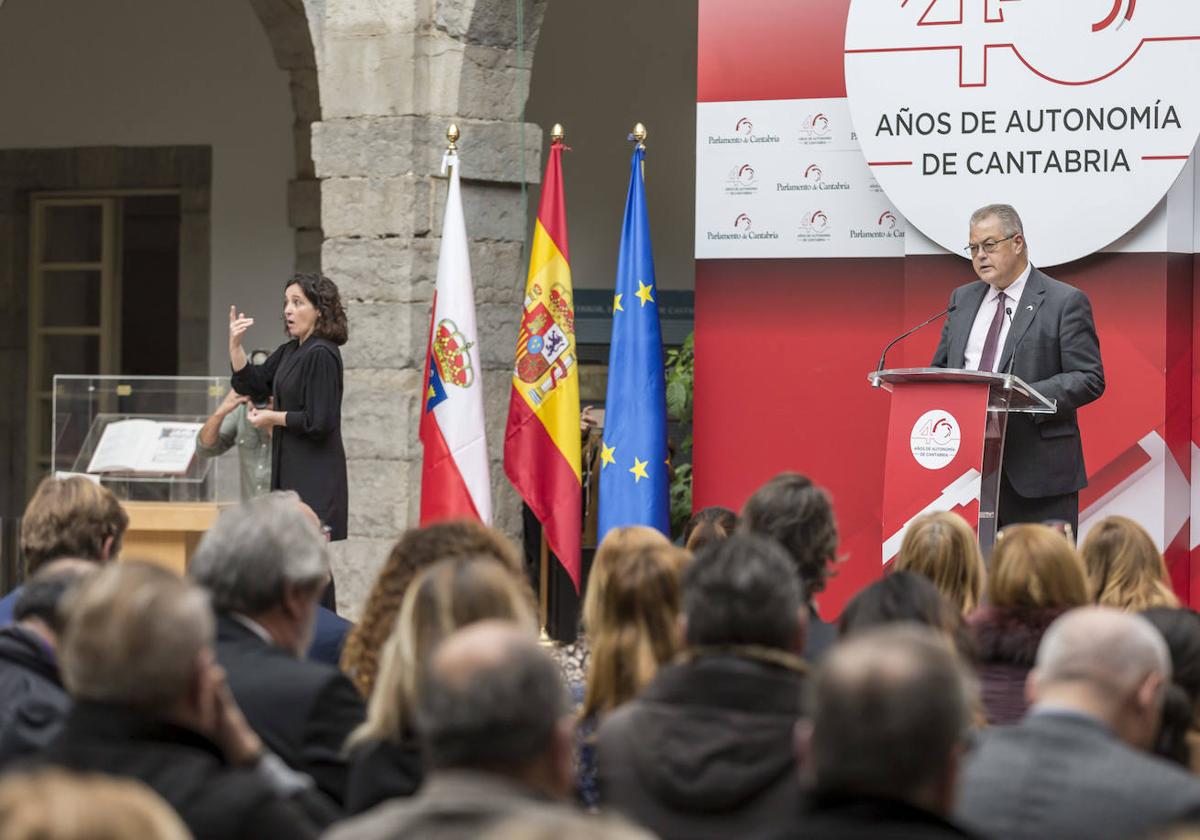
<point x="393" y="75"/>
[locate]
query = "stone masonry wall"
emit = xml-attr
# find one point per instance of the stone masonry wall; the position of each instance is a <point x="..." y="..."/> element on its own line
<point x="393" y="74"/>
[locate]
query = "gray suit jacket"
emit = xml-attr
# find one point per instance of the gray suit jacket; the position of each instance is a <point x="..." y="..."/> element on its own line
<point x="1060" y="776"/>
<point x="1058" y="353"/>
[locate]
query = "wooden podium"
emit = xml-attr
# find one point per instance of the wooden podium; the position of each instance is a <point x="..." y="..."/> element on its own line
<point x="167" y="533"/>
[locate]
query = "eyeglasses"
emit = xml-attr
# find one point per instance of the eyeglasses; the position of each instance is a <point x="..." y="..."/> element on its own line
<point x="989" y="247"/>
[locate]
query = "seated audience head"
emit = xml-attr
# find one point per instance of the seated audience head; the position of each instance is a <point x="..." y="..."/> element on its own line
<point x="417" y="549"/>
<point x="266" y="560"/>
<point x="891" y="712"/>
<point x="1108" y="664"/>
<point x="942" y="547"/>
<point x="1035" y="567"/>
<point x="1180" y="628"/>
<point x="492" y="701"/>
<point x="442" y="599"/>
<point x="71" y="517"/>
<point x="898" y="597"/>
<point x="630" y="615"/>
<point x="140" y="637"/>
<point x="798" y="515"/>
<point x="39" y="607"/>
<point x="56" y="805"/>
<point x="712" y="524"/>
<point x="1124" y="568"/>
<point x="743" y="593"/>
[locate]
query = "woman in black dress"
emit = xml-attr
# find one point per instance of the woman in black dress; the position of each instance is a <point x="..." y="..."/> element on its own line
<point x="305" y="378"/>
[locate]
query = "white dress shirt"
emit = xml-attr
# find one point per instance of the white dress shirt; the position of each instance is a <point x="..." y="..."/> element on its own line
<point x="983" y="320"/>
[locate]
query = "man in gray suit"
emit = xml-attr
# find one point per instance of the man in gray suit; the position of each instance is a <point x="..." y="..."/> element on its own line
<point x="1076" y="766"/>
<point x="1018" y="320"/>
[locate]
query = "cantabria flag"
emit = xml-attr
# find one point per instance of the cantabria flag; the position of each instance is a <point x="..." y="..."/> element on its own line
<point x="454" y="475"/>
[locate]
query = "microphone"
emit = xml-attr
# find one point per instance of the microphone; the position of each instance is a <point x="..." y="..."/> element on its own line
<point x="1013" y="358"/>
<point x="904" y="335"/>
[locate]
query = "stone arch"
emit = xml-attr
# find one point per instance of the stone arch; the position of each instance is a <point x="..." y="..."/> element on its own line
<point x="287" y="27"/>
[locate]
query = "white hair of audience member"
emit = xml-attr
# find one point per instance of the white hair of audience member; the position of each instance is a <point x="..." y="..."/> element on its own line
<point x="255" y="550"/>
<point x="1106" y="648"/>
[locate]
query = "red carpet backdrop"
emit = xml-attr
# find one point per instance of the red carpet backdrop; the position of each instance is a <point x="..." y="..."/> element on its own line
<point x="808" y="263"/>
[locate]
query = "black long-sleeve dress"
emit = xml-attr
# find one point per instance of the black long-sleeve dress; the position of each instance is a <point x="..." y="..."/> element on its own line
<point x="306" y="453"/>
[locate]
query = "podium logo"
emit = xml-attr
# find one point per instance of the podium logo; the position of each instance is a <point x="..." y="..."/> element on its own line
<point x="1056" y="105"/>
<point x="935" y="439"/>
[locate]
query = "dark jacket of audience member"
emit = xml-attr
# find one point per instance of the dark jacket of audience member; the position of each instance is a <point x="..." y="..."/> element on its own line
<point x="1077" y="766"/>
<point x="890" y="713"/>
<point x="1034" y="576"/>
<point x="264" y="564"/>
<point x="798" y="515"/>
<point x="494" y="725"/>
<point x="706" y="749"/>
<point x="149" y="704"/>
<point x="1178" y="737"/>
<point x="33" y="702"/>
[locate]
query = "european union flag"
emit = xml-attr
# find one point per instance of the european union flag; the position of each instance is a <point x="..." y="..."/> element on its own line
<point x="633" y="471"/>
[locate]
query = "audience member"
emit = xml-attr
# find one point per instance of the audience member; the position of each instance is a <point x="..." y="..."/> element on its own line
<point x="265" y="565"/>
<point x="942" y="547"/>
<point x="798" y="515"/>
<point x="33" y="702"/>
<point x="565" y="826"/>
<point x="705" y="750"/>
<point x="494" y="723"/>
<point x="67" y="517"/>
<point x="385" y="756"/>
<point x="1178" y="739"/>
<point x="1124" y="568"/>
<point x="630" y="616"/>
<point x="417" y="549"/>
<point x="709" y="525"/>
<point x="891" y="712"/>
<point x="1034" y="576"/>
<point x="151" y="704"/>
<point x="898" y="597"/>
<point x="54" y="805"/>
<point x="1076" y="766"/>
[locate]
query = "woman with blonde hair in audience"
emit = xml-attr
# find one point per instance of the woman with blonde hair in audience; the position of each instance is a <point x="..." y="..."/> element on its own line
<point x="1034" y="576"/>
<point x="417" y="549"/>
<point x="1125" y="569"/>
<point x="942" y="547"/>
<point x="385" y="758"/>
<point x="57" y="805"/>
<point x="630" y="620"/>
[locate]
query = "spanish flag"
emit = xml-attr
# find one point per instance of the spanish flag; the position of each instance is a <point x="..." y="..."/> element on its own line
<point x="542" y="439"/>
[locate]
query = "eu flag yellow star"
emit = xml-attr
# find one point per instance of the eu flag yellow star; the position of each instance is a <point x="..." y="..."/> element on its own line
<point x="639" y="470"/>
<point x="644" y="293"/>
<point x="606" y="455"/>
<point x="617" y="307"/>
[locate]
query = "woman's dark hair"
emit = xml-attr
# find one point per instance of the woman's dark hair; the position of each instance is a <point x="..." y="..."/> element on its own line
<point x="901" y="596"/>
<point x="710" y="525"/>
<point x="322" y="293"/>
<point x="1181" y="630"/>
<point x="798" y="515"/>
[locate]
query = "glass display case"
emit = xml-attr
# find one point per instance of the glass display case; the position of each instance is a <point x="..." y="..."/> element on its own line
<point x="84" y="407"/>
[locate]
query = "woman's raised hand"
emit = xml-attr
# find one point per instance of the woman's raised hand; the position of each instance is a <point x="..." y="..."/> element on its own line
<point x="238" y="324"/>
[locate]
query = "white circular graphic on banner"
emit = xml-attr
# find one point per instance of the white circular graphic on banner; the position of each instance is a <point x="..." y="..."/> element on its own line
<point x="1080" y="113"/>
<point x="935" y="439"/>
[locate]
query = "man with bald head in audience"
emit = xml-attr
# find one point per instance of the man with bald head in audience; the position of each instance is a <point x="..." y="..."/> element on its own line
<point x="495" y="726"/>
<point x="1077" y="766"/>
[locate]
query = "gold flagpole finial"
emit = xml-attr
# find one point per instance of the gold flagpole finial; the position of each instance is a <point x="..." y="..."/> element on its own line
<point x="639" y="134"/>
<point x="557" y="135"/>
<point x="452" y="136"/>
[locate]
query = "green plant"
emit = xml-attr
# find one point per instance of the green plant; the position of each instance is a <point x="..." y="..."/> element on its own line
<point x="681" y="375"/>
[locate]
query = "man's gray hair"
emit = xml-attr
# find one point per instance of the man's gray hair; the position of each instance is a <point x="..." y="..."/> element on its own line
<point x="134" y="632"/>
<point x="891" y="706"/>
<point x="495" y="708"/>
<point x="257" y="549"/>
<point x="1010" y="220"/>
<point x="1109" y="649"/>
